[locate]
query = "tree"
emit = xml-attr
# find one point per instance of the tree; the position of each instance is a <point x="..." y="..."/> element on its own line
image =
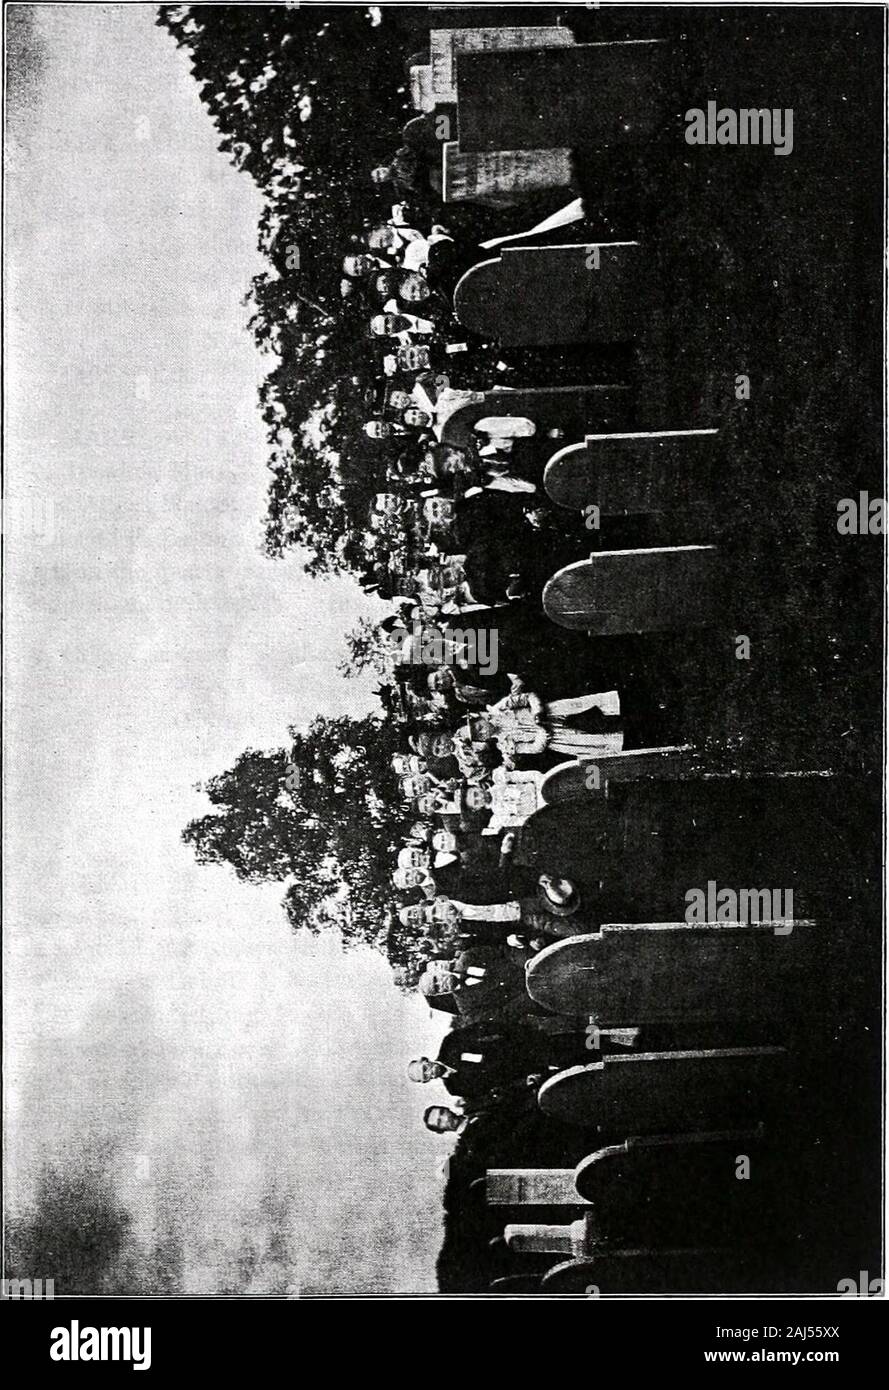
<point x="323" y="816"/>
<point x="76" y="1232"/>
<point x="370" y="648"/>
<point x="307" y="100"/>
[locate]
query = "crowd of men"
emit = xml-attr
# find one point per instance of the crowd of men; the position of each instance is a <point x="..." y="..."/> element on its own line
<point x="462" y="540"/>
<point x="473" y="776"/>
<point x="463" y="532"/>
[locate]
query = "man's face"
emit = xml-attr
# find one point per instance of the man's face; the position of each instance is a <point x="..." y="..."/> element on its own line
<point x="412" y="858"/>
<point x="441" y="681"/>
<point x="481" y="729"/>
<point x="418" y="785"/>
<point x="413" y="877"/>
<point x="438" y="511"/>
<point x="399" y="400"/>
<point x="413" y="416"/>
<point x="381" y="239"/>
<point x="455" y="462"/>
<point x="476" y="798"/>
<point x="442" y="1120"/>
<point x="414" y="289"/>
<point x="442" y="746"/>
<point x="413" y="358"/>
<point x="452" y="573"/>
<point x="357" y="265"/>
<point x="381" y="174"/>
<point x="444" y="842"/>
<point x="377" y="429"/>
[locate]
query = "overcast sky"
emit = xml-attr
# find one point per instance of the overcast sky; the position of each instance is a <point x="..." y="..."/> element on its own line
<point x="241" y="1088"/>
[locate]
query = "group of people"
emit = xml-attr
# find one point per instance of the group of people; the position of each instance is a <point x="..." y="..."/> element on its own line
<point x="444" y="501"/>
<point x="462" y="532"/>
<point x="461" y="520"/>
<point x="472" y="772"/>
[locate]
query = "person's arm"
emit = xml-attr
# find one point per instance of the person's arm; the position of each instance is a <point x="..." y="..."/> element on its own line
<point x="538" y="743"/>
<point x="507" y="846"/>
<point x="506" y="483"/>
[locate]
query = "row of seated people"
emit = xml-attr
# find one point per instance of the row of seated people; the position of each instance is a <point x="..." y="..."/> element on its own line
<point x="489" y="547"/>
<point x="494" y="544"/>
<point x="481" y="915"/>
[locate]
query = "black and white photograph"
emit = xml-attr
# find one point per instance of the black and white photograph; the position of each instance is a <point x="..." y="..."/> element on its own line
<point x="444" y="650"/>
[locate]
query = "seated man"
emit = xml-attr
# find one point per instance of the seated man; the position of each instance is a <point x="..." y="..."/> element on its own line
<point x="440" y="1119"/>
<point x="474" y="1061"/>
<point x="485" y="982"/>
<point x="491" y="880"/>
<point x="483" y="1120"/>
<point x="469" y="1079"/>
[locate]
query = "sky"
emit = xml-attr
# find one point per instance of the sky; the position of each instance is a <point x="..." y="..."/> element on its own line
<point x="240" y="1088"/>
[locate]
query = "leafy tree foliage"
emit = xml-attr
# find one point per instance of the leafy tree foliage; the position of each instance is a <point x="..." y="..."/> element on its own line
<point x="323" y="816"/>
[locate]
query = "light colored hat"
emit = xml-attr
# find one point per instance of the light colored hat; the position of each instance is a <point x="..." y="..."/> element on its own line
<point x="561" y="898"/>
